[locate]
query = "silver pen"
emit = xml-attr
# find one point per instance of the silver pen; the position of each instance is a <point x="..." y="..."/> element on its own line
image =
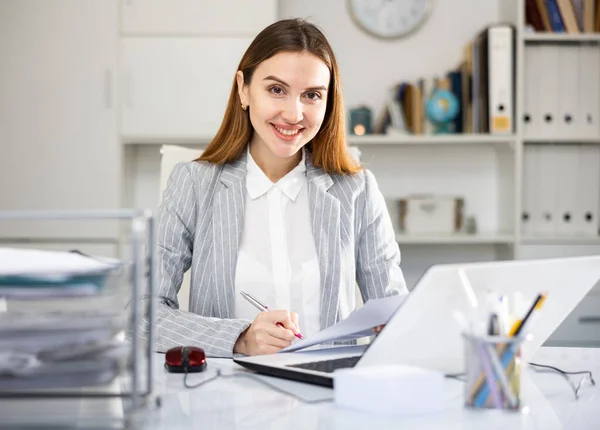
<point x="262" y="307"/>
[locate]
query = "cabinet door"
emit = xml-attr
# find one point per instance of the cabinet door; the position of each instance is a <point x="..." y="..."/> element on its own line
<point x="197" y="17"/>
<point x="58" y="120"/>
<point x="177" y="87"/>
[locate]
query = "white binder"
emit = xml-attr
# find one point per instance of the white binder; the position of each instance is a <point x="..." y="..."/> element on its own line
<point x="588" y="194"/>
<point x="532" y="109"/>
<point x="544" y="215"/>
<point x="589" y="90"/>
<point x="501" y="88"/>
<point x="567" y="123"/>
<point x="548" y="89"/>
<point x="529" y="190"/>
<point x="565" y="203"/>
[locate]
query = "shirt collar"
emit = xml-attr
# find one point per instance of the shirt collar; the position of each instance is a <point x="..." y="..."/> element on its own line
<point x="257" y="183"/>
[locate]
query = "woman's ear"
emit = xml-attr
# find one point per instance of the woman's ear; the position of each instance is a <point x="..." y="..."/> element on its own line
<point x="242" y="88"/>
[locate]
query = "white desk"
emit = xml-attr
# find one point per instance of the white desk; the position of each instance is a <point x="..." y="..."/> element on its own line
<point x="246" y="403"/>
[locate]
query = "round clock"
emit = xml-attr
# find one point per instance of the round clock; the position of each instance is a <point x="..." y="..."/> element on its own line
<point x="389" y="19"/>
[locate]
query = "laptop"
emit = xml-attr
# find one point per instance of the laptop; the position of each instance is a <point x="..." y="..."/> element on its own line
<point x="424" y="332"/>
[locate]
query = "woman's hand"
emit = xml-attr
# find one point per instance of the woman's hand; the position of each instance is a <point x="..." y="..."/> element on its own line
<point x="264" y="336"/>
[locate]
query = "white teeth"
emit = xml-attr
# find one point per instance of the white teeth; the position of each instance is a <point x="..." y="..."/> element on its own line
<point x="286" y="132"/>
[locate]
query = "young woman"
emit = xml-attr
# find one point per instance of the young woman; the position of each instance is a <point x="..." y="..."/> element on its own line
<point x="275" y="207"/>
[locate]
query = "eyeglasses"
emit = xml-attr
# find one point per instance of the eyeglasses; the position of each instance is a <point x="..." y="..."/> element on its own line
<point x="543" y="368"/>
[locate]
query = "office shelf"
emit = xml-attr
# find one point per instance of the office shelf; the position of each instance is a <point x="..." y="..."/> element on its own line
<point x="166" y="140"/>
<point x="560" y="240"/>
<point x="592" y="140"/>
<point x="456" y="239"/>
<point x="561" y="37"/>
<point x="436" y="139"/>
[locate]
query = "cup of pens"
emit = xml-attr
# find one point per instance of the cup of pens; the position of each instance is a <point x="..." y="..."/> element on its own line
<point x="493" y="371"/>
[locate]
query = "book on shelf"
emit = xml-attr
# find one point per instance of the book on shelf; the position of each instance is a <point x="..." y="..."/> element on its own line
<point x="483" y="84"/>
<point x="563" y="16"/>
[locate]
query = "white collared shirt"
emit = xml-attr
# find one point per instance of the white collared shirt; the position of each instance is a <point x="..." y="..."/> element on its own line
<point x="277" y="260"/>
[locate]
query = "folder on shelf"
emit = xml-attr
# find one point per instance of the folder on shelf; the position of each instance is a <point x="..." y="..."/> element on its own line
<point x="544" y="206"/>
<point x="567" y="159"/>
<point x="532" y="109"/>
<point x="529" y="189"/>
<point x="567" y="122"/>
<point x="500" y="41"/>
<point x="547" y="89"/>
<point x="588" y="196"/>
<point x="589" y="90"/>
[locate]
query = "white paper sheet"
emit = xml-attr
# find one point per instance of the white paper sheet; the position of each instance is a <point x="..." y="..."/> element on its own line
<point x="50" y="265"/>
<point x="358" y="324"/>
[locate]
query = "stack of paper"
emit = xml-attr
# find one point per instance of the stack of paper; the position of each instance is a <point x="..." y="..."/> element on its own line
<point x="47" y="340"/>
<point x="28" y="273"/>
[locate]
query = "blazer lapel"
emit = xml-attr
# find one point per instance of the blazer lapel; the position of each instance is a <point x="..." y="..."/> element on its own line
<point x="325" y="214"/>
<point x="228" y="222"/>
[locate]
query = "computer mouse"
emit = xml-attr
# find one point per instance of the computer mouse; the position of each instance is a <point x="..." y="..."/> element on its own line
<point x="181" y="359"/>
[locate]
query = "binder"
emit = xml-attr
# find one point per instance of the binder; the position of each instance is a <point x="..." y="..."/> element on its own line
<point x="544" y="205"/>
<point x="565" y="203"/>
<point x="429" y="87"/>
<point x="588" y="194"/>
<point x="501" y="78"/>
<point x="475" y="85"/>
<point x="567" y="122"/>
<point x="547" y="88"/>
<point x="532" y="114"/>
<point x="529" y="190"/>
<point x="589" y="90"/>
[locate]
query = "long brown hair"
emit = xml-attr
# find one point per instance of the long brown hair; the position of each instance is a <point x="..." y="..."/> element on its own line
<point x="328" y="148"/>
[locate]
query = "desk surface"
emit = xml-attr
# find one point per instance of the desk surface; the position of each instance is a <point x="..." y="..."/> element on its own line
<point x="247" y="402"/>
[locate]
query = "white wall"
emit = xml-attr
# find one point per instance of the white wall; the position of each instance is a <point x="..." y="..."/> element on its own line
<point x="369" y="65"/>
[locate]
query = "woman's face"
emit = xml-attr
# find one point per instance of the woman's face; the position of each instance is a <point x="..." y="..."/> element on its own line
<point x="287" y="100"/>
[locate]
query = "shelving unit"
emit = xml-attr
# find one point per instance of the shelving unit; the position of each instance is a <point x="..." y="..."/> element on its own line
<point x="456" y="239"/>
<point x="560" y="37"/>
<point x="436" y="139"/>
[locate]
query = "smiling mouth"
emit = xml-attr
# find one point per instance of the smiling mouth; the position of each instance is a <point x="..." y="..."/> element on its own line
<point x="286" y="132"/>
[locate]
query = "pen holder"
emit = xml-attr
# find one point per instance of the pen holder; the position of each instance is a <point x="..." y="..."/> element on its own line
<point x="493" y="371"/>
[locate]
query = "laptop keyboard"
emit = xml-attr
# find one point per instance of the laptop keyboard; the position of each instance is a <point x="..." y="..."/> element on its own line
<point x="329" y="366"/>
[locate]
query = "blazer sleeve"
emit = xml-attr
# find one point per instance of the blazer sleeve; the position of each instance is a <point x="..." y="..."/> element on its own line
<point x="174" y="246"/>
<point x="378" y="270"/>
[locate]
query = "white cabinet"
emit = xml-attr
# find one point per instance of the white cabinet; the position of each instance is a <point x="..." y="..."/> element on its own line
<point x="58" y="117"/>
<point x="197" y="17"/>
<point x="177" y="87"/>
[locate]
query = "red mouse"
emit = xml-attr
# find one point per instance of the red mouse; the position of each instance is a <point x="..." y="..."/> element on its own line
<point x="182" y="359"/>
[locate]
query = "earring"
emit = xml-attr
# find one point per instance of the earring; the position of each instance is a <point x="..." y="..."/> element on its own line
<point x="244" y="106"/>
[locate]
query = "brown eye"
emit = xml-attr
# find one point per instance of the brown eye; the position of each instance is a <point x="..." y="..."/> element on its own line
<point x="313" y="96"/>
<point x="276" y="90"/>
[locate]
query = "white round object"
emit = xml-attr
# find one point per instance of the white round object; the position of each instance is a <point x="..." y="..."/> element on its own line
<point x="389" y="18"/>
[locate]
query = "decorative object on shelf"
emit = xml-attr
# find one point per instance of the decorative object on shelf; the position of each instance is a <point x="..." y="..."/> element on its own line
<point x="442" y="108"/>
<point x="390" y="19"/>
<point x="360" y="121"/>
<point x="431" y="214"/>
<point x="471" y="225"/>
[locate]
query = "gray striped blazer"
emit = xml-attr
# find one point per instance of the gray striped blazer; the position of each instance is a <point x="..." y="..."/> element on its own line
<point x="199" y="227"/>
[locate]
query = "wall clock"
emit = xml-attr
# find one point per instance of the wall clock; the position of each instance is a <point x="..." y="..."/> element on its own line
<point x="389" y="19"/>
